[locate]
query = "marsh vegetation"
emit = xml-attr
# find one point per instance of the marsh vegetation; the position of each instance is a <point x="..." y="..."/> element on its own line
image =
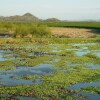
<point x="24" y="29"/>
<point x="53" y="29"/>
<point x="49" y="68"/>
<point x="38" y="65"/>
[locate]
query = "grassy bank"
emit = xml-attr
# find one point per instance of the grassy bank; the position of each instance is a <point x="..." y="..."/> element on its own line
<point x="47" y="40"/>
<point x="90" y="25"/>
<point x="42" y="29"/>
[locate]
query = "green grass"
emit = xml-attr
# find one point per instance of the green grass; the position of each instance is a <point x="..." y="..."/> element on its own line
<point x="24" y="29"/>
<point x="90" y="25"/>
<point x="7" y="65"/>
<point x="92" y="90"/>
<point x="26" y="41"/>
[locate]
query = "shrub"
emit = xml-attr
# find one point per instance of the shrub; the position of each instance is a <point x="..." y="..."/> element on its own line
<point x="40" y="31"/>
<point x="21" y="31"/>
<point x="33" y="30"/>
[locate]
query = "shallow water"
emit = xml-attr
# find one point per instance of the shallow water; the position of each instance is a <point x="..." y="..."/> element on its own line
<point x="56" y="50"/>
<point x="1" y="55"/>
<point x="83" y="44"/>
<point x="88" y="96"/>
<point x="97" y="53"/>
<point x="85" y="95"/>
<point x="84" y="85"/>
<point x="82" y="52"/>
<point x="14" y="77"/>
<point x="89" y="66"/>
<point x="7" y="77"/>
<point x="83" y="49"/>
<point x="4" y="57"/>
<point x="92" y="66"/>
<point x="13" y="97"/>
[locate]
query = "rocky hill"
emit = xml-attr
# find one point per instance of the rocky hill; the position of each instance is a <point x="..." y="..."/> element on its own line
<point x="24" y="18"/>
<point x="52" y="20"/>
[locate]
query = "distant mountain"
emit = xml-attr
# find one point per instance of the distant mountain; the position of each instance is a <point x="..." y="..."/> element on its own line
<point x="24" y="18"/>
<point x="52" y="20"/>
<point x="28" y="15"/>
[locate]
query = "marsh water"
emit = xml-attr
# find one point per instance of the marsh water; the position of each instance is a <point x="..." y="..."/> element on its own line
<point x="46" y="59"/>
<point x="12" y="77"/>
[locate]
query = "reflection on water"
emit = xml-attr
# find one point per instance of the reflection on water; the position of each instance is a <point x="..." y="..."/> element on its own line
<point x="1" y="55"/>
<point x="14" y="77"/>
<point x="7" y="77"/>
<point x="83" y="44"/>
<point x="13" y="97"/>
<point x="82" y="53"/>
<point x="92" y="66"/>
<point x="87" y="96"/>
<point x="88" y="65"/>
<point x="97" y="53"/>
<point x="83" y="49"/>
<point x="4" y="57"/>
<point x="83" y="85"/>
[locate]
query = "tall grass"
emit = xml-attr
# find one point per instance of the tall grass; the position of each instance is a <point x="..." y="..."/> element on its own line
<point x="25" y="29"/>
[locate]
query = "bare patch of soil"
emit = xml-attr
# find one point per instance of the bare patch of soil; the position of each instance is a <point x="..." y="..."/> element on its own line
<point x="75" y="32"/>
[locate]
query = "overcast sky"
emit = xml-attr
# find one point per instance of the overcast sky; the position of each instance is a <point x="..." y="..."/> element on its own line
<point x="62" y="9"/>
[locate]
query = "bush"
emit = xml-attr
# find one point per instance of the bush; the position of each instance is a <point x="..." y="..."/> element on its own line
<point x="33" y="30"/>
<point x="40" y="31"/>
<point x="25" y="29"/>
<point x="21" y="31"/>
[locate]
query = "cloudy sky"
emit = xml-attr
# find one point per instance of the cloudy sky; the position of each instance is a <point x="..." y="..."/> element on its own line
<point x="62" y="9"/>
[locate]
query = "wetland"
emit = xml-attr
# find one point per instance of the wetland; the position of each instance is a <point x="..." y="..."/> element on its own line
<point x="50" y="70"/>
